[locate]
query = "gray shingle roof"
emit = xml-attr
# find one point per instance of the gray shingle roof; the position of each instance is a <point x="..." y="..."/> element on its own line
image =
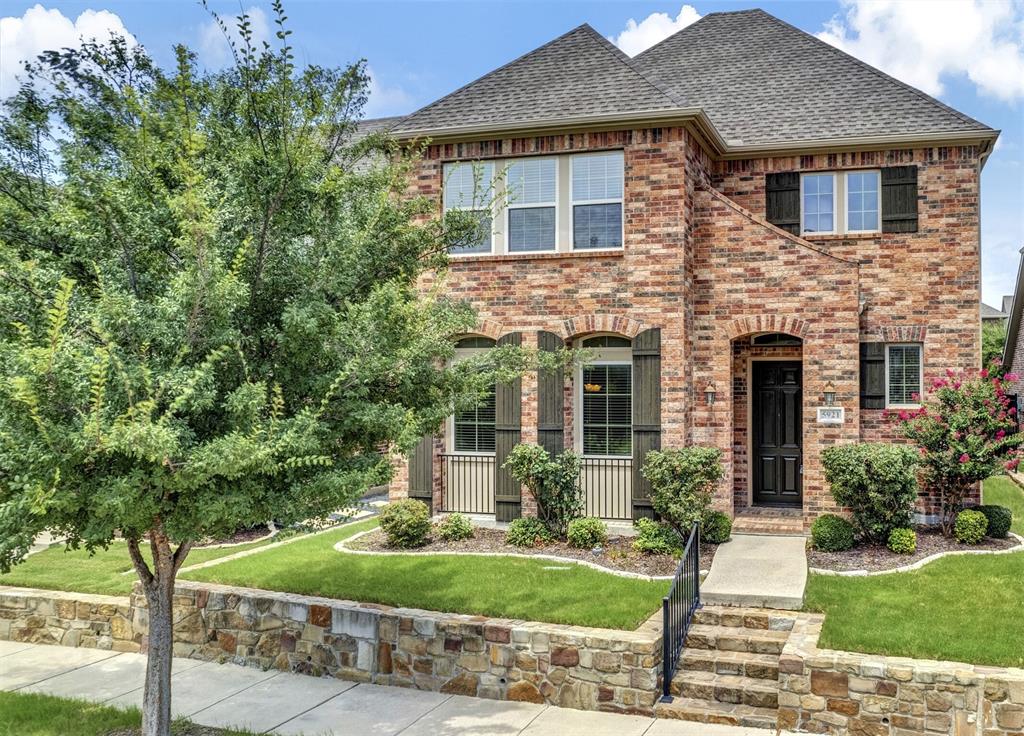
<point x="762" y="81"/>
<point x="988" y="312"/>
<point x="579" y="74"/>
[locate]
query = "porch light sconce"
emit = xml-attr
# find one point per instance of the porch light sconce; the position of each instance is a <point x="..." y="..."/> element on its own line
<point x="830" y="394"/>
<point x="709" y="393"/>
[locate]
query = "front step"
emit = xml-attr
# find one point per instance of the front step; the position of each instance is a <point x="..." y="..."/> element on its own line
<point x="735" y="639"/>
<point x="734" y="689"/>
<point x="744" y="618"/>
<point x="703" y="711"/>
<point x="756" y="666"/>
<point x="768" y="521"/>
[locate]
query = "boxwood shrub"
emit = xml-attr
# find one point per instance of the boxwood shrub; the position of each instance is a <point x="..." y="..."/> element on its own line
<point x="653" y="538"/>
<point x="587" y="533"/>
<point x="455" y="527"/>
<point x="970" y="526"/>
<point x="832" y="533"/>
<point x="903" y="541"/>
<point x="717" y="528"/>
<point x="406" y="523"/>
<point x="528" y="531"/>
<point x="1000" y="519"/>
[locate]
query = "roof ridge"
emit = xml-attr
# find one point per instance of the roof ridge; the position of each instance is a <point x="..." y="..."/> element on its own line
<point x="874" y="70"/>
<point x="507" y="64"/>
<point x="626" y="61"/>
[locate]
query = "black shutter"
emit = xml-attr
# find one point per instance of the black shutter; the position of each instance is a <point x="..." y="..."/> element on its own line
<point x="899" y="199"/>
<point x="421" y="471"/>
<point x="646" y="413"/>
<point x="782" y="200"/>
<point x="872" y="375"/>
<point x="550" y="398"/>
<point x="508" y="418"/>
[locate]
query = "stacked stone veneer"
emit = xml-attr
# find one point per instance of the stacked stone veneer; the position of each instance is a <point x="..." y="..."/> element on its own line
<point x="68" y="619"/>
<point x="823" y="691"/>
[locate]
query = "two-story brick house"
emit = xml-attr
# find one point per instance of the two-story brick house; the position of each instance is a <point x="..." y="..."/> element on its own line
<point x="764" y="241"/>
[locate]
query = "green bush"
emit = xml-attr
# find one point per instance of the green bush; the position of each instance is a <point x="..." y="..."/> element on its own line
<point x="406" y="523"/>
<point x="454" y="528"/>
<point x="970" y="527"/>
<point x="683" y="483"/>
<point x="831" y="533"/>
<point x="999" y="518"/>
<point x="587" y="533"/>
<point x="653" y="538"/>
<point x="903" y="541"/>
<point x="554" y="483"/>
<point x="717" y="528"/>
<point x="876" y="481"/>
<point x="528" y="531"/>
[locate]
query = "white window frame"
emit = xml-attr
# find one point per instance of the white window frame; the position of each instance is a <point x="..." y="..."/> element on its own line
<point x="512" y="205"/>
<point x="920" y="378"/>
<point x="840" y="203"/>
<point x="445" y="208"/>
<point x="621" y="201"/>
<point x="602" y="356"/>
<point x="462" y="354"/>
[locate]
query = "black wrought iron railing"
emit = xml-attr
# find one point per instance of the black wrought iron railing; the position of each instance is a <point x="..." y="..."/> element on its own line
<point x="467" y="481"/>
<point x="606" y="483"/>
<point x="677" y="609"/>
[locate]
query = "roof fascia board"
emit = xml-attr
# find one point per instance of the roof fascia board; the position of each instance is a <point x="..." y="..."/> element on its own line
<point x="1013" y="325"/>
<point x="985" y="139"/>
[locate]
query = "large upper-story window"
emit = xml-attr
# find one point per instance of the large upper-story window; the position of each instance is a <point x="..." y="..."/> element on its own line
<point x="540" y="204"/>
<point x="840" y="202"/>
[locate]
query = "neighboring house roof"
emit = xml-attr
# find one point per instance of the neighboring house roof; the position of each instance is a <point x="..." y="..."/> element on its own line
<point x="988" y="312"/>
<point x="748" y="80"/>
<point x="376" y="125"/>
<point x="580" y="74"/>
<point x="1013" y="325"/>
<point x="761" y="80"/>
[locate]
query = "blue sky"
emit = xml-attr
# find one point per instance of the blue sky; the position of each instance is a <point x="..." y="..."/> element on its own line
<point x="968" y="53"/>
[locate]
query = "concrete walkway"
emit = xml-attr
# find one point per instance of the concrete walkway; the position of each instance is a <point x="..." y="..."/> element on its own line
<point x="282" y="703"/>
<point x="759" y="571"/>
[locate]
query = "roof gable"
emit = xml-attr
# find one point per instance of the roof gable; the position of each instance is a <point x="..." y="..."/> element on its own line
<point x="763" y="81"/>
<point x="579" y="74"/>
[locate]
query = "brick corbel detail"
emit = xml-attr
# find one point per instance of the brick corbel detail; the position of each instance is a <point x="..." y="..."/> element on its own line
<point x="767" y="323"/>
<point x="616" y="323"/>
<point x="902" y="333"/>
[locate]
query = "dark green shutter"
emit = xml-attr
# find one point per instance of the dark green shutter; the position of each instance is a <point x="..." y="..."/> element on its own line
<point x="899" y="199"/>
<point x="550" y="398"/>
<point x="421" y="471"/>
<point x="646" y="413"/>
<point x="872" y="375"/>
<point x="508" y="416"/>
<point x="782" y="200"/>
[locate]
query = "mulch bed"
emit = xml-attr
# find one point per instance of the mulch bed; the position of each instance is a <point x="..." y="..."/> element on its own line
<point x="617" y="554"/>
<point x="876" y="557"/>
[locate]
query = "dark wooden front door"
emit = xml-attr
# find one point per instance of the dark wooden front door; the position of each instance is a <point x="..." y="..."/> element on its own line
<point x="777" y="433"/>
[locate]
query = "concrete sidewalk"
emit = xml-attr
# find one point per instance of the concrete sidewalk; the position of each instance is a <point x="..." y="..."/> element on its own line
<point x="758" y="571"/>
<point x="282" y="703"/>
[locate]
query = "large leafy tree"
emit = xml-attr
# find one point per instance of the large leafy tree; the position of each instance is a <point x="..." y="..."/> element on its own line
<point x="211" y="315"/>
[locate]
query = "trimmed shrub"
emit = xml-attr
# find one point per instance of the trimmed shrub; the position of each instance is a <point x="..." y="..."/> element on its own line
<point x="653" y="538"/>
<point x="903" y="541"/>
<point x="831" y="533"/>
<point x="999" y="518"/>
<point x="717" y="528"/>
<point x="454" y="528"/>
<point x="587" y="533"/>
<point x="528" y="531"/>
<point x="683" y="483"/>
<point x="876" y="481"/>
<point x="553" y="482"/>
<point x="406" y="523"/>
<point x="970" y="527"/>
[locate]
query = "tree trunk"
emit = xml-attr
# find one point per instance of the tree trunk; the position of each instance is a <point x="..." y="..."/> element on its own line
<point x="158" y="586"/>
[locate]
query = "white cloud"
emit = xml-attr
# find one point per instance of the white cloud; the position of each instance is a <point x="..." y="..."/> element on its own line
<point x="924" y="43"/>
<point x="213" y="46"/>
<point x="38" y="29"/>
<point x="386" y="100"/>
<point x="655" y="27"/>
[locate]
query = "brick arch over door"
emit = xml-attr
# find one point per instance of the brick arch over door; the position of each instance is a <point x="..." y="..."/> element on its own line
<point x="615" y="323"/>
<point x="753" y="324"/>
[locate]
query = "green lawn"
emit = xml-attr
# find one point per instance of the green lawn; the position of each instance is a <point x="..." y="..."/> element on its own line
<point x="534" y="590"/>
<point x="30" y="714"/>
<point x="77" y="570"/>
<point x="1002" y="491"/>
<point x="959" y="608"/>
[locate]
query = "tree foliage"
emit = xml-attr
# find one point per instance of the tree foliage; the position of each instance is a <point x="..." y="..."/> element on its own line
<point x="683" y="484"/>
<point x="993" y="337"/>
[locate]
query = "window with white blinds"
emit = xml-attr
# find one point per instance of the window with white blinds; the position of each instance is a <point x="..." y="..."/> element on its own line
<point x="903" y="372"/>
<point x="469" y="186"/>
<point x="608" y="409"/>
<point x="597" y="191"/>
<point x="532" y="205"/>
<point x="474" y="428"/>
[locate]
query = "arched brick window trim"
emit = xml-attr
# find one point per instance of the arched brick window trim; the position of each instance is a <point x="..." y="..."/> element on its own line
<point x="902" y="333"/>
<point x="767" y="323"/>
<point x="489" y="328"/>
<point x="615" y="323"/>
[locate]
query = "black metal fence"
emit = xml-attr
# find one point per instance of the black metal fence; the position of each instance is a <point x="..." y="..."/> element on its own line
<point x="606" y="483"/>
<point x="677" y="609"/>
<point x="467" y="483"/>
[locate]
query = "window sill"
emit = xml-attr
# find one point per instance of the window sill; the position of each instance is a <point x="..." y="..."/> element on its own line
<point x="841" y="236"/>
<point x="538" y="256"/>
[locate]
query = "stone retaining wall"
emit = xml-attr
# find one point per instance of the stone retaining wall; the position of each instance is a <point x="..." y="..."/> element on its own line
<point x="840" y="693"/>
<point x="68" y="619"/>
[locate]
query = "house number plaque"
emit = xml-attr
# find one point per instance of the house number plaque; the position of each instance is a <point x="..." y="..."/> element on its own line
<point x="831" y="415"/>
